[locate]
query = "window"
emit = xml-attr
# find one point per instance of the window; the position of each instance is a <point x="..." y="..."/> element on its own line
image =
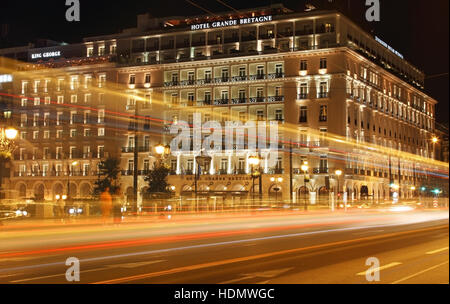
<point x="23" y="102"/>
<point x="36" y="85"/>
<point x="260" y="115"/>
<point x="207" y="96"/>
<point x="100" y="151"/>
<point x="59" y="84"/>
<point x="73" y="98"/>
<point x="175" y="78"/>
<point x="323" y="114"/>
<point x="60" y="99"/>
<point x="279" y="69"/>
<point x="323" y="90"/>
<point x="323" y="63"/>
<point x="112" y="49"/>
<point x="74" y="82"/>
<point x="208" y="75"/>
<point x="223" y="164"/>
<point x="132" y="79"/>
<point x="101" y="116"/>
<point x="101" y="81"/>
<point x="24" y="87"/>
<point x="303" y="90"/>
<point x="101" y="50"/>
<point x="73" y="133"/>
<point x="190" y="97"/>
<point x="35" y="134"/>
<point x="59" y="133"/>
<point x="46" y="119"/>
<point x="87" y="132"/>
<point x="224" y="73"/>
<point x="87" y="81"/>
<point x="242" y="71"/>
<point x="90" y="51"/>
<point x="279" y="114"/>
<point x="303" y="65"/>
<point x="37" y="101"/>
<point x="101" y="131"/>
<point x="23" y="135"/>
<point x="87" y="98"/>
<point x="47" y="100"/>
<point x="260" y="71"/>
<point x="147" y="78"/>
<point x="303" y="114"/>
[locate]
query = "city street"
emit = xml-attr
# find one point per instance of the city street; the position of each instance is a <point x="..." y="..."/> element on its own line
<point x="271" y="247"/>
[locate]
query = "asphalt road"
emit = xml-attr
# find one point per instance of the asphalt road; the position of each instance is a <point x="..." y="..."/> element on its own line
<point x="411" y="247"/>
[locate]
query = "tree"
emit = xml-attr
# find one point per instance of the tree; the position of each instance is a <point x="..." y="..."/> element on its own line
<point x="157" y="179"/>
<point x="109" y="170"/>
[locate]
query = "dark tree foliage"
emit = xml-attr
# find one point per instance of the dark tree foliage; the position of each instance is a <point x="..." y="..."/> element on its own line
<point x="109" y="170"/>
<point x="157" y="179"/>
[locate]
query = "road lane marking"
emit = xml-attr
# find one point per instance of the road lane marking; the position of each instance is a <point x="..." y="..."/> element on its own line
<point x="437" y="250"/>
<point x="363" y="273"/>
<point x="261" y="274"/>
<point x="56" y="275"/>
<point x="419" y="273"/>
<point x="259" y="256"/>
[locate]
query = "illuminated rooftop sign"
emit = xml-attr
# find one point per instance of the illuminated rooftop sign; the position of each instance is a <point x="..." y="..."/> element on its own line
<point x="6" y="78"/>
<point x="231" y="22"/>
<point x="388" y="47"/>
<point x="52" y="54"/>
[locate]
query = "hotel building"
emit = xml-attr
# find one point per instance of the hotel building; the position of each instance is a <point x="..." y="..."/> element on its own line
<point x="341" y="97"/>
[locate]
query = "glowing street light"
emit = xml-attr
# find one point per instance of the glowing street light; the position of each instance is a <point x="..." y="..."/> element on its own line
<point x="435" y="139"/>
<point x="159" y="149"/>
<point x="11" y="133"/>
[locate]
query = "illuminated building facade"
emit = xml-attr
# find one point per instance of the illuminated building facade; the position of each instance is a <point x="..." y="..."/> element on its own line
<point x="333" y="89"/>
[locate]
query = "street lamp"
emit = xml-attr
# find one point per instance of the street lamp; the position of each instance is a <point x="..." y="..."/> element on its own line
<point x="159" y="149"/>
<point x="305" y="168"/>
<point x="74" y="163"/>
<point x="276" y="189"/>
<point x="253" y="161"/>
<point x="11" y="133"/>
<point x="338" y="174"/>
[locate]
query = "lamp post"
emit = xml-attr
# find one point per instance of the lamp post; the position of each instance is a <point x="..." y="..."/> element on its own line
<point x="338" y="174"/>
<point x="276" y="189"/>
<point x="305" y="168"/>
<point x="434" y="140"/>
<point x="253" y="161"/>
<point x="74" y="163"/>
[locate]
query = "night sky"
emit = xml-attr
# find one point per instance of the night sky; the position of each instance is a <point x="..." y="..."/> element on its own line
<point x="416" y="28"/>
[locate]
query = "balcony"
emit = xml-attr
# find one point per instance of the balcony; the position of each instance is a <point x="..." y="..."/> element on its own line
<point x="221" y="79"/>
<point x="171" y="83"/>
<point x="322" y="95"/>
<point x="239" y="78"/>
<point x="256" y="99"/>
<point x="275" y="75"/>
<point x="187" y="82"/>
<point x="221" y="101"/>
<point x="275" y="99"/>
<point x="131" y="107"/>
<point x="257" y="76"/>
<point x="239" y="100"/>
<point x="320" y="170"/>
<point x="203" y="81"/>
